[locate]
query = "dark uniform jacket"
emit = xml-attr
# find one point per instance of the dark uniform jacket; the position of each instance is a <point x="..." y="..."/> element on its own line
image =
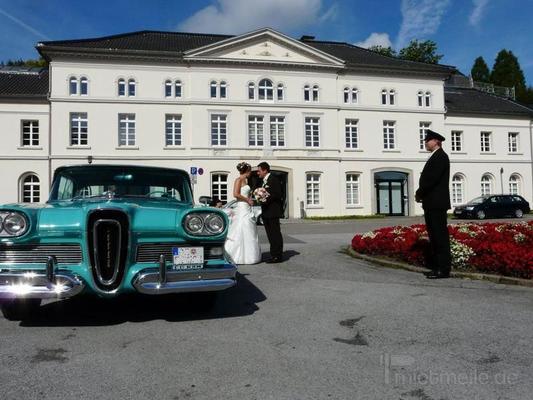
<point x="272" y="207"/>
<point x="434" y="189"/>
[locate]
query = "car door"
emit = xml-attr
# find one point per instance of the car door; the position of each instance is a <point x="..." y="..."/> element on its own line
<point x="491" y="207"/>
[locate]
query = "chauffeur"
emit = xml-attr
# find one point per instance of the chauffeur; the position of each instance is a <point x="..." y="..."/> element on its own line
<point x="434" y="193"/>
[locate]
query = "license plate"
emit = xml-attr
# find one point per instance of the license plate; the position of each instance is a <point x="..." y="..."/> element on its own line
<point x="187" y="258"/>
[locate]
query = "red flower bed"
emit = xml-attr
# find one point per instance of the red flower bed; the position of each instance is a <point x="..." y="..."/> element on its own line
<point x="505" y="249"/>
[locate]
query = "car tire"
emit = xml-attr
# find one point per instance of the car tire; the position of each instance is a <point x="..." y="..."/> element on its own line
<point x="19" y="309"/>
<point x="518" y="213"/>
<point x="481" y="214"/>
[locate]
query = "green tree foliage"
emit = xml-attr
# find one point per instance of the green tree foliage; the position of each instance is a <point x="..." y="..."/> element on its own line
<point x="425" y="51"/>
<point x="507" y="72"/>
<point x="386" y="51"/>
<point x="480" y="70"/>
<point x="41" y="62"/>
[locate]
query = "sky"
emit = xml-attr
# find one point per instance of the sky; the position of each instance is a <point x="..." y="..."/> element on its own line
<point x="462" y="29"/>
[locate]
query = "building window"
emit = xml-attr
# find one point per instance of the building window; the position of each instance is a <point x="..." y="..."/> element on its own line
<point x="265" y="90"/>
<point x="121" y="87"/>
<point x="388" y="97"/>
<point x="30" y="133"/>
<point x="277" y="131"/>
<point x="420" y="98"/>
<point x="213" y="89"/>
<point x="251" y="91"/>
<point x="177" y="89"/>
<point x="458" y="189"/>
<point x="313" y="189"/>
<point x="352" y="140"/>
<point x="219" y="186"/>
<point x="173" y="130"/>
<point x="219" y="131"/>
<point x="514" y="184"/>
<point x="281" y="92"/>
<point x="350" y="95"/>
<point x="485" y="142"/>
<point x="312" y="131"/>
<point x="352" y="189"/>
<point x="255" y="130"/>
<point x="315" y="93"/>
<point x="513" y="142"/>
<point x="31" y="190"/>
<point x="168" y="88"/>
<point x="422" y="129"/>
<point x="79" y="134"/>
<point x="73" y="86"/>
<point x="457" y="141"/>
<point x="424" y="99"/>
<point x="223" y="90"/>
<point x="427" y="98"/>
<point x="389" y="135"/>
<point x="486" y="185"/>
<point x="126" y="132"/>
<point x="84" y="86"/>
<point x="131" y="87"/>
<point x="307" y="93"/>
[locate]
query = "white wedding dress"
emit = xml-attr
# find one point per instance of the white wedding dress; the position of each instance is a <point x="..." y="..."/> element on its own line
<point x="242" y="243"/>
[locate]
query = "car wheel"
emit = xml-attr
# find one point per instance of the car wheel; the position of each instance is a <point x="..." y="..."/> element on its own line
<point x="19" y="309"/>
<point x="518" y="213"/>
<point x="480" y="214"/>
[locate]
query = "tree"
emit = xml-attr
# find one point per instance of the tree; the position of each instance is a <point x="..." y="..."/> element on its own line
<point x="507" y="72"/>
<point x="41" y="62"/>
<point x="480" y="70"/>
<point x="385" y="51"/>
<point x="425" y="51"/>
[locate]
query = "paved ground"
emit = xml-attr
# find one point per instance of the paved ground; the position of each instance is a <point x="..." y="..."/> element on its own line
<point x="319" y="326"/>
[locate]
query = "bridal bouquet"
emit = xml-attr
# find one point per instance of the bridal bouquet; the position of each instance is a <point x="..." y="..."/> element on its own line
<point x="261" y="195"/>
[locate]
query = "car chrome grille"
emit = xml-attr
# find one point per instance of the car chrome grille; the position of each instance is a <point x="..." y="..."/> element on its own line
<point x="150" y="252"/>
<point x="38" y="254"/>
<point x="108" y="242"/>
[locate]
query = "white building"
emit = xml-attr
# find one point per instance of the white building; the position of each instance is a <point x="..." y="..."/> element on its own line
<point x="341" y="125"/>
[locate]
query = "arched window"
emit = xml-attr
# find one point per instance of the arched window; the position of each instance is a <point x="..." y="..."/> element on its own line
<point x="213" y="89"/>
<point x="251" y="91"/>
<point x="420" y="98"/>
<point x="346" y="94"/>
<point x="265" y="90"/>
<point x="168" y="88"/>
<point x="223" y="89"/>
<point x="514" y="184"/>
<point x="428" y="99"/>
<point x="315" y="93"/>
<point x="384" y="96"/>
<point x="177" y="89"/>
<point x="355" y="95"/>
<point x="121" y="87"/>
<point x="281" y="92"/>
<point x="131" y="87"/>
<point x="31" y="192"/>
<point x="458" y="189"/>
<point x="84" y="86"/>
<point x="307" y="93"/>
<point x="73" y="85"/>
<point x="392" y="95"/>
<point x="486" y="184"/>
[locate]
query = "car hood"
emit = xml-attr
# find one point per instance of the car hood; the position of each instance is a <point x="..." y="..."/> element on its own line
<point x="69" y="218"/>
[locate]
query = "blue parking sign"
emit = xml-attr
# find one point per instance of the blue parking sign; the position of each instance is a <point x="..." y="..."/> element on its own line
<point x="194" y="171"/>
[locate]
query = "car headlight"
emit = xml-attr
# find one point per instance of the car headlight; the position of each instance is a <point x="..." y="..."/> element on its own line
<point x="204" y="224"/>
<point x="194" y="224"/>
<point x="14" y="224"/>
<point x="469" y="208"/>
<point x="214" y="223"/>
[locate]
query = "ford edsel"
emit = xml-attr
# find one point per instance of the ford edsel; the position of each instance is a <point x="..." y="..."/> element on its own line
<point x="108" y="230"/>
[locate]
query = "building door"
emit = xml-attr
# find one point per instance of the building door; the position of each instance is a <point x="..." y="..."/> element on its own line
<point x="391" y="192"/>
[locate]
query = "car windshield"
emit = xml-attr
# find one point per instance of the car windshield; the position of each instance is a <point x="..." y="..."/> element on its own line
<point x="92" y="182"/>
<point x="477" y="200"/>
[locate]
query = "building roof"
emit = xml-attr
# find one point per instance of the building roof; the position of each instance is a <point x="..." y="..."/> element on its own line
<point x="23" y="82"/>
<point x="472" y="101"/>
<point x="179" y="42"/>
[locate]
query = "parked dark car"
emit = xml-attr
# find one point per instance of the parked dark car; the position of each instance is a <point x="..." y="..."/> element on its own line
<point x="492" y="206"/>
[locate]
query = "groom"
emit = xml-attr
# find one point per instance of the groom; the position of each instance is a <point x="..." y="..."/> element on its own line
<point x="272" y="211"/>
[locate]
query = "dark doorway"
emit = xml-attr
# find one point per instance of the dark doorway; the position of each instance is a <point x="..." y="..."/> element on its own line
<point x="391" y="192"/>
<point x="284" y="180"/>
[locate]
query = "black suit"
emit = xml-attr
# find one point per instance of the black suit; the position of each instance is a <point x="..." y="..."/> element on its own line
<point x="434" y="192"/>
<point x="271" y="212"/>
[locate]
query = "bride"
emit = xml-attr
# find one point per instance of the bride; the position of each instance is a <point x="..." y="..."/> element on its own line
<point x="242" y="243"/>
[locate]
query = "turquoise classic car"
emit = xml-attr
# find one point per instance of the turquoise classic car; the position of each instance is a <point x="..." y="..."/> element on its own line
<point x="108" y="230"/>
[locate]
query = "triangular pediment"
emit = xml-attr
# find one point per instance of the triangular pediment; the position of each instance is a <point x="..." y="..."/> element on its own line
<point x="264" y="46"/>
